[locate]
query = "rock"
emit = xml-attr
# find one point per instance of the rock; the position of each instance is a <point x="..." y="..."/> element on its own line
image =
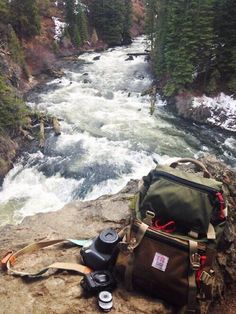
<point x="129" y="58"/>
<point x="66" y="42"/>
<point x="61" y="292"/>
<point x="214" y="116"/>
<point x="186" y="110"/>
<point x="55" y="73"/>
<point x="101" y="49"/>
<point x="8" y="151"/>
<point x="14" y="79"/>
<point x="97" y="58"/>
<point x="109" y="95"/>
<point x="86" y="81"/>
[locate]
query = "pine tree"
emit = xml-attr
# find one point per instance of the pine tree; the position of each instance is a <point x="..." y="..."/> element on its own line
<point x="110" y="19"/>
<point x="77" y="22"/>
<point x="71" y="21"/>
<point x="127" y="22"/>
<point x="82" y="23"/>
<point x="225" y="26"/>
<point x="15" y="47"/>
<point x="13" y="111"/>
<point x="4" y="11"/>
<point x="151" y="20"/>
<point x="25" y="17"/>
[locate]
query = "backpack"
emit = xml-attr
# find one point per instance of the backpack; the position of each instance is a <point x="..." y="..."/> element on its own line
<point x="170" y="248"/>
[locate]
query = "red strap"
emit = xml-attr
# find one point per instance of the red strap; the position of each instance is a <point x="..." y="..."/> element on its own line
<point x="5" y="259"/>
<point x="169" y="227"/>
<point x="222" y="205"/>
<point x="199" y="271"/>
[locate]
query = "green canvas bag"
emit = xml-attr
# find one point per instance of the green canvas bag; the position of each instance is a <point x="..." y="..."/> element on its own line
<point x="193" y="202"/>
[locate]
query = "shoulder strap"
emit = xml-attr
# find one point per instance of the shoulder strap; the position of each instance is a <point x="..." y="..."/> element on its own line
<point x="11" y="260"/>
<point x="194" y="264"/>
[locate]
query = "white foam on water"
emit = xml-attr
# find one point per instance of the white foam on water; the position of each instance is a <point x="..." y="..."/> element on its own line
<point x="143" y="164"/>
<point x="230" y="142"/>
<point x="107" y="130"/>
<point x="36" y="192"/>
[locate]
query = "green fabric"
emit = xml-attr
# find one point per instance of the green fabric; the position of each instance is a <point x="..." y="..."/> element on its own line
<point x="173" y="194"/>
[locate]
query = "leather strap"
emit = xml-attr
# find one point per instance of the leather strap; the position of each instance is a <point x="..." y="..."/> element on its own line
<point x="199" y="164"/>
<point x="134" y="243"/>
<point x="194" y="265"/>
<point x="137" y="201"/>
<point x="81" y="269"/>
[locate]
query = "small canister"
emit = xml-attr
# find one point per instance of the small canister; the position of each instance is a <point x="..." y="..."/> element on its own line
<point x="105" y="301"/>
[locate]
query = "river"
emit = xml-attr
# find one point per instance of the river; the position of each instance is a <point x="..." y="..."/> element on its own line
<point x="108" y="136"/>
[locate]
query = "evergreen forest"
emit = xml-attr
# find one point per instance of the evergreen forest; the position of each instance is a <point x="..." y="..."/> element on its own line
<point x="193" y="44"/>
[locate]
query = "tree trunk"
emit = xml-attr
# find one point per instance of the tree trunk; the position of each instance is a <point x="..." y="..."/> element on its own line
<point x="41" y="134"/>
<point x="56" y="126"/>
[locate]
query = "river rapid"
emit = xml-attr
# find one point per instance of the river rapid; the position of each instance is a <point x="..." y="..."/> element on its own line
<point x="108" y="136"/>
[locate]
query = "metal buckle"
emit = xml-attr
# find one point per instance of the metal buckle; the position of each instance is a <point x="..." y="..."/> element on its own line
<point x="206" y="278"/>
<point x="196" y="261"/>
<point x="148" y="220"/>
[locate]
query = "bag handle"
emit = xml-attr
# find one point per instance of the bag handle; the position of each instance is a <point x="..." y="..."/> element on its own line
<point x="199" y="164"/>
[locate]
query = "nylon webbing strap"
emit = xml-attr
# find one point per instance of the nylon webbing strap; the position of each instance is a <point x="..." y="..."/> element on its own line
<point x="211" y="234"/>
<point x="142" y="227"/>
<point x="137" y="212"/>
<point x="192" y="291"/>
<point x="58" y="265"/>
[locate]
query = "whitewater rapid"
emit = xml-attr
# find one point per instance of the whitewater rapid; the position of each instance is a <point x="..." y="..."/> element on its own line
<point x="108" y="136"/>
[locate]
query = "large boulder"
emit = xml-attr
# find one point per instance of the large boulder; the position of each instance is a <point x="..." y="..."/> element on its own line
<point x="8" y="151"/>
<point x="61" y="292"/>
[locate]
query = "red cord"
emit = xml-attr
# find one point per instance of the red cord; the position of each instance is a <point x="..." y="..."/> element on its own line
<point x="169" y="227"/>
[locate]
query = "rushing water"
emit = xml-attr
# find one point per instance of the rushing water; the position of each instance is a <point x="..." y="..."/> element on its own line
<point x="108" y="136"/>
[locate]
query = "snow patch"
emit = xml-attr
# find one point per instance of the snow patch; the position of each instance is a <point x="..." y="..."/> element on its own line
<point x="59" y="28"/>
<point x="222" y="110"/>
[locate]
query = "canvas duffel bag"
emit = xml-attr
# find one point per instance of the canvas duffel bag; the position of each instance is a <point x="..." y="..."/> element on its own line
<point x="193" y="202"/>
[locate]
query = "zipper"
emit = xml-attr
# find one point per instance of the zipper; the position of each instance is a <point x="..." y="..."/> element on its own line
<point x="194" y="185"/>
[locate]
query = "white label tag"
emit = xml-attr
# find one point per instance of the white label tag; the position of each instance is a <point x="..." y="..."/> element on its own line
<point x="160" y="261"/>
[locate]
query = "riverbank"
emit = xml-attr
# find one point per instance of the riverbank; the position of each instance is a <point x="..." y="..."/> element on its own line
<point x="61" y="292"/>
<point x="218" y="111"/>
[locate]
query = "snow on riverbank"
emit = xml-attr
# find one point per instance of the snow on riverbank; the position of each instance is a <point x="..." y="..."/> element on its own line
<point x="222" y="110"/>
<point x="59" y="28"/>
